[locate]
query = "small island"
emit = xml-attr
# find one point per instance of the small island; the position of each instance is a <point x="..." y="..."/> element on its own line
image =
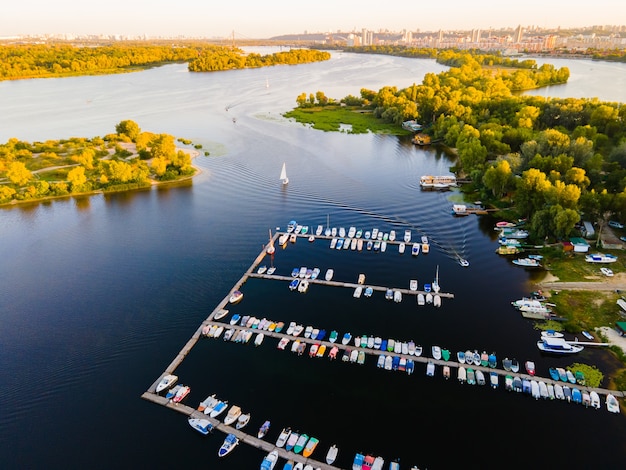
<point x="128" y="159"/>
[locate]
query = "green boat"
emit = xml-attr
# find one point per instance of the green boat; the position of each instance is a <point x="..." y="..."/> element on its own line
<point x="445" y="354"/>
<point x="580" y="378"/>
<point x="302" y="440"/>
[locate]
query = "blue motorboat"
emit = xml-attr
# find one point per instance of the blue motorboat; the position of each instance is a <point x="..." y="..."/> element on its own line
<point x="410" y="366"/>
<point x="229" y="444"/>
<point x="526" y="388"/>
<point x="492" y="361"/>
<point x="395" y="362"/>
<point x="554" y="374"/>
<point x="358" y="461"/>
<point x="295" y="272"/>
<point x="321" y="335"/>
<point x="577" y="396"/>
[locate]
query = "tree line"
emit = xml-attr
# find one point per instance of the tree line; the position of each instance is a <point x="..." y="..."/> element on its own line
<point x="78" y="165"/>
<point x="228" y="59"/>
<point x="59" y="60"/>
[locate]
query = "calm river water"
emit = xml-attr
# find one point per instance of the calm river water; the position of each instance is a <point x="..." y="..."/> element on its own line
<point x="99" y="293"/>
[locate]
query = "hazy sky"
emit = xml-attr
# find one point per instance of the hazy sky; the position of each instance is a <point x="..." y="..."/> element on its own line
<point x="263" y="19"/>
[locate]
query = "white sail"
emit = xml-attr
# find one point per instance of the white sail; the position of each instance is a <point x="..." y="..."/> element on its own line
<point x="283" y="174"/>
<point x="436" y="282"/>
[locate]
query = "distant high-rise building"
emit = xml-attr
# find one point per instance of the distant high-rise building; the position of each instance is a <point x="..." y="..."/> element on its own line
<point x="519" y="33"/>
<point x="475" y="35"/>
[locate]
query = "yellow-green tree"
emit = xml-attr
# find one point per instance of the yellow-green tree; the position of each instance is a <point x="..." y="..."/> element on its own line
<point x="76" y="178"/>
<point x="18" y="173"/>
<point x="128" y="128"/>
<point x="159" y="165"/>
<point x="498" y="178"/>
<point x="163" y="145"/>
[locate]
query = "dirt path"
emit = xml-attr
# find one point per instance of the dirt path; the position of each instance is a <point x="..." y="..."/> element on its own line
<point x="617" y="282"/>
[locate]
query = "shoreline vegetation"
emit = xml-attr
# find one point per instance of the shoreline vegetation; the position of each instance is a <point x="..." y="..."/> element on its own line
<point x="127" y="160"/>
<point x="27" y="61"/>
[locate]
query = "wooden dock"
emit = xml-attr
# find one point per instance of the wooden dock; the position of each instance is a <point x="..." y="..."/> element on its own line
<point x="152" y="396"/>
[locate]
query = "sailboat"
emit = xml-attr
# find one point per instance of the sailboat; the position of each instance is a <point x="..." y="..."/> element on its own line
<point x="283" y="175"/>
<point x="270" y="247"/>
<point x="328" y="231"/>
<point x="435" y="285"/>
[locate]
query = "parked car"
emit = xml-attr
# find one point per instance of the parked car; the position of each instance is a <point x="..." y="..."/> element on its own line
<point x="615" y="224"/>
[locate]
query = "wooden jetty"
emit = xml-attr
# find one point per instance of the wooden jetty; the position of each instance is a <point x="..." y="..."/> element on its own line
<point x="152" y="396"/>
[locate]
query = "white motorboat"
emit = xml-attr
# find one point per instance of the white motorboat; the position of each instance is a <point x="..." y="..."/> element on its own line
<point x="421" y="300"/>
<point x="283" y="437"/>
<point x="430" y="369"/>
<point x="437" y="300"/>
<point x="202" y="425"/>
<point x="415" y="249"/>
<point x="413" y="284"/>
<point x="527" y="262"/>
<point x="401" y="247"/>
<point x="612" y="405"/>
<point x="233" y="414"/>
<point x="600" y="258"/>
<point x="218" y="409"/>
<point x="347" y="337"/>
<point x="558" y="346"/>
<point x="166" y="382"/>
<point x="329" y="274"/>
<point x="243" y="420"/>
<point x="380" y="363"/>
<point x="436" y="352"/>
<point x="462" y="374"/>
<point x="397" y="296"/>
<point x="551" y="334"/>
<point x="407" y="236"/>
<point x="235" y="297"/>
<point x="331" y="455"/>
<point x="259" y="339"/>
<point x="392" y="236"/>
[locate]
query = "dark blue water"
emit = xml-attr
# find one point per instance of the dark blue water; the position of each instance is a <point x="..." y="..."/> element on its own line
<point x="99" y="294"/>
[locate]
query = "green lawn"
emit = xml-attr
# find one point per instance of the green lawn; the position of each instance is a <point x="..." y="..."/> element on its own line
<point x="331" y="119"/>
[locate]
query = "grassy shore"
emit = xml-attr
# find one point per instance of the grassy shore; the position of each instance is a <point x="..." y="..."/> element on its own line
<point x="586" y="299"/>
<point x="350" y="119"/>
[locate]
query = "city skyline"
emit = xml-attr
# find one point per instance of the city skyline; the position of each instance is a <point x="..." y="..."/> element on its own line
<point x="260" y="20"/>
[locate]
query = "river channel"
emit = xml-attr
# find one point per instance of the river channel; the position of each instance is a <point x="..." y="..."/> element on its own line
<point x="99" y="293"/>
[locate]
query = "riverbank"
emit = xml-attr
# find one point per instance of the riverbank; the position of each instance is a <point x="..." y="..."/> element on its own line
<point x="131" y="149"/>
<point x="608" y="288"/>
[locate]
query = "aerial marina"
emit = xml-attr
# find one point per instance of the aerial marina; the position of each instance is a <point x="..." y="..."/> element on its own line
<point x="393" y="354"/>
